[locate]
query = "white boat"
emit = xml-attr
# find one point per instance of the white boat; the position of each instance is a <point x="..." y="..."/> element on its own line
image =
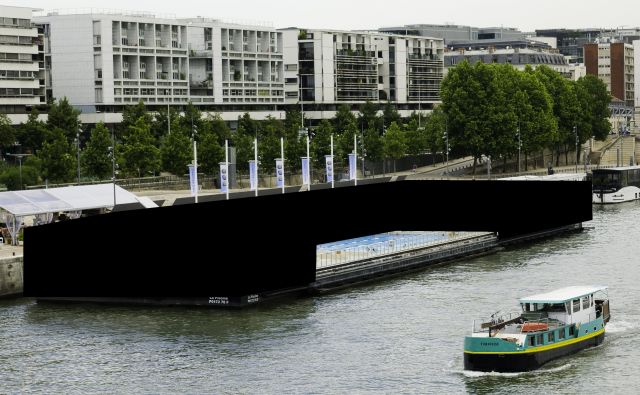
<point x="616" y="185"/>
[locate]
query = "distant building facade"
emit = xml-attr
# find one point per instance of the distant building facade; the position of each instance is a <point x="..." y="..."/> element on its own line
<point x="22" y="77"/>
<point x="613" y="63"/>
<point x="99" y="61"/>
<point x="324" y="68"/>
<point x="571" y="42"/>
<point x="457" y="33"/>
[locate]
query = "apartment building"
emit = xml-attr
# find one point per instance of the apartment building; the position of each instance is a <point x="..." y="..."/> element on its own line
<point x="22" y="78"/>
<point x="325" y="68"/>
<point x="101" y="62"/>
<point x="613" y="63"/>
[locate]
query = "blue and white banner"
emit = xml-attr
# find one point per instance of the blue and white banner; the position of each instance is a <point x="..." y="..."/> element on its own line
<point x="352" y="166"/>
<point x="224" y="177"/>
<point x="279" y="173"/>
<point x="193" y="180"/>
<point x="253" y="175"/>
<point x="305" y="171"/>
<point x="329" y="166"/>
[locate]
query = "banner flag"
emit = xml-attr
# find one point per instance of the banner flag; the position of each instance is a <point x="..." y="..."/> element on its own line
<point x="305" y="171"/>
<point x="279" y="173"/>
<point x="193" y="180"/>
<point x="224" y="176"/>
<point x="253" y="175"/>
<point x="329" y="165"/>
<point x="352" y="167"/>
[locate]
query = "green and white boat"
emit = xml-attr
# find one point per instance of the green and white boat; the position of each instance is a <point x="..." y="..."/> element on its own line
<point x="549" y="326"/>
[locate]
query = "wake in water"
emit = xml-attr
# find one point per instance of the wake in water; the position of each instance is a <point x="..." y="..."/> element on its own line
<point x="621" y="326"/>
<point x="476" y="374"/>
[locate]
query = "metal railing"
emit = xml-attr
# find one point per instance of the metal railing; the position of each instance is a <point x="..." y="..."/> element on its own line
<point x="326" y="257"/>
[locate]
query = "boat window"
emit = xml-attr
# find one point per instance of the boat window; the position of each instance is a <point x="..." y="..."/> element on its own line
<point x="561" y="333"/>
<point x="540" y="339"/>
<point x="556" y="308"/>
<point x="531" y="341"/>
<point x="576" y="305"/>
<point x="591" y="300"/>
<point x="572" y="330"/>
<point x="568" y="307"/>
<point x="551" y="336"/>
<point x="585" y="302"/>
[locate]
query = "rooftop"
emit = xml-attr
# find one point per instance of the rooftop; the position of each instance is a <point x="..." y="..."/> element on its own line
<point x="563" y="294"/>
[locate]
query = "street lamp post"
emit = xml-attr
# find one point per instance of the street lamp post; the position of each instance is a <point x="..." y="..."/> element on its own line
<point x="519" y="147"/>
<point x="78" y="151"/>
<point x="113" y="165"/>
<point x="446" y="139"/>
<point x="19" y="157"/>
<point x="575" y="132"/>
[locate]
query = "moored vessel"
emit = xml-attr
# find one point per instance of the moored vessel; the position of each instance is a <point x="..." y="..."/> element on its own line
<point x="616" y="185"/>
<point x="549" y="326"/>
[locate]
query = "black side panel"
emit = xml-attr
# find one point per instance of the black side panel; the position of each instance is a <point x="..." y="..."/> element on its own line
<point x="251" y="245"/>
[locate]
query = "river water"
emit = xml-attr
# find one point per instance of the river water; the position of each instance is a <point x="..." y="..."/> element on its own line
<point x="401" y="335"/>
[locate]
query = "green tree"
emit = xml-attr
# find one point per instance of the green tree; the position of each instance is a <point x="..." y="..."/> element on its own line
<point x="210" y="153"/>
<point x="96" y="157"/>
<point x="33" y="133"/>
<point x="176" y="153"/>
<point x="416" y="138"/>
<point x="595" y="99"/>
<point x="159" y="126"/>
<point x="140" y="157"/>
<point x="565" y="107"/>
<point x="64" y="117"/>
<point x="434" y="127"/>
<point x="10" y="176"/>
<point x="346" y="126"/>
<point x="57" y="158"/>
<point x="368" y="117"/>
<point x="219" y="128"/>
<point x="131" y="115"/>
<point x="321" y="143"/>
<point x="390" y="115"/>
<point x="7" y="132"/>
<point x="394" y="142"/>
<point x="373" y="149"/>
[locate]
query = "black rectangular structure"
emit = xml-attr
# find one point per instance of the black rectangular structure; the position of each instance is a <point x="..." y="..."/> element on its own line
<point x="246" y="246"/>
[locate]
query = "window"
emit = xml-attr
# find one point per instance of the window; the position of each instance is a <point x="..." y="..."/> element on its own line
<point x="531" y="341"/>
<point x="572" y="331"/>
<point x="576" y="305"/>
<point x="551" y="337"/>
<point x="540" y="339"/>
<point x="585" y="302"/>
<point x="561" y="333"/>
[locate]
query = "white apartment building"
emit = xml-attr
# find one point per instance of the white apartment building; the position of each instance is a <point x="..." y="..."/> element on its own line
<point x="326" y="68"/>
<point x="103" y="61"/>
<point x="21" y="61"/>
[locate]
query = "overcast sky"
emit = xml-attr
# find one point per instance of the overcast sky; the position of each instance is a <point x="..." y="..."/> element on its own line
<point x="370" y="14"/>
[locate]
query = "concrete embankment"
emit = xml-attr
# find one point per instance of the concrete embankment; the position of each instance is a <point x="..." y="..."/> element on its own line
<point x="11" y="282"/>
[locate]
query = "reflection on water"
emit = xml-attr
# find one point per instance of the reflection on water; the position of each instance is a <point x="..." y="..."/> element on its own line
<point x="403" y="334"/>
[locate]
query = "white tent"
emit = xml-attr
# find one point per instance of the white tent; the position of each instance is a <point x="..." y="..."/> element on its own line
<point x="44" y="202"/>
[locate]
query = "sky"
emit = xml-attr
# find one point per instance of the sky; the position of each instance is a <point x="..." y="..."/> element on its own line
<point x="371" y="14"/>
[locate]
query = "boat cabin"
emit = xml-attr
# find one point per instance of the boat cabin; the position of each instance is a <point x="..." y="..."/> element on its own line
<point x="570" y="305"/>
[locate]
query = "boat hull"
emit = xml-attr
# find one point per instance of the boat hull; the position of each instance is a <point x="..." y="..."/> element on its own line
<point x="525" y="360"/>
<point x="625" y="194"/>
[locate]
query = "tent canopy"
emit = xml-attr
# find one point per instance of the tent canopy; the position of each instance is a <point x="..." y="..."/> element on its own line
<point x="74" y="198"/>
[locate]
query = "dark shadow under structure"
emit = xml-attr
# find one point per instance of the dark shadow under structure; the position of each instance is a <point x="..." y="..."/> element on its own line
<point x="247" y="246"/>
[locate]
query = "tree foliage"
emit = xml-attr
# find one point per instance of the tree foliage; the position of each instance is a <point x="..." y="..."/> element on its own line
<point x="96" y="157"/>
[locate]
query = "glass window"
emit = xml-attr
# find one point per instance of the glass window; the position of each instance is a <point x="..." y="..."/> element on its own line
<point x="540" y="339"/>
<point x="585" y="302"/>
<point x="561" y="333"/>
<point x="531" y="341"/>
<point x="568" y="307"/>
<point x="551" y="337"/>
<point x="576" y="305"/>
